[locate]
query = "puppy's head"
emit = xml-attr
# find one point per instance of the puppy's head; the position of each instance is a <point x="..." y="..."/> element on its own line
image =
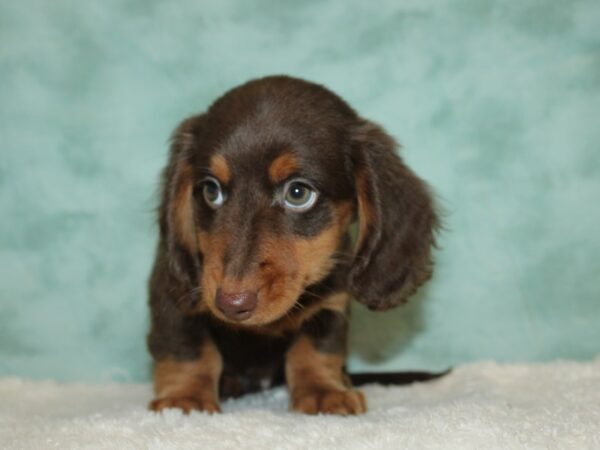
<point x="260" y="191"/>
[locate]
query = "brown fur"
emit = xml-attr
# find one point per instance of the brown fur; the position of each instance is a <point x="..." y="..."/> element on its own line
<point x="299" y="266"/>
<point x="366" y="211"/>
<point x="291" y="323"/>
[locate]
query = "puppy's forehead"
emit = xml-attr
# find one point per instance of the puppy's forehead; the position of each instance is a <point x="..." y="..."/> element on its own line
<point x="275" y="128"/>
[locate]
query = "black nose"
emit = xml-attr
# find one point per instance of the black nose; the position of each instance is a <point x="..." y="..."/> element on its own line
<point x="238" y="306"/>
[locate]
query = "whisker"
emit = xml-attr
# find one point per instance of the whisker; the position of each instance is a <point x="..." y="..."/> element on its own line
<point x="298" y="306"/>
<point x="314" y="294"/>
<point x="192" y="292"/>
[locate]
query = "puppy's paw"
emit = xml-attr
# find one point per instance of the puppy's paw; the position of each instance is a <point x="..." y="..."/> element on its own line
<point x="325" y="401"/>
<point x="186" y="404"/>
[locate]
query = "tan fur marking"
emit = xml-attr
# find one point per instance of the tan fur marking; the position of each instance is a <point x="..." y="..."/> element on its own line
<point x="293" y="264"/>
<point x="282" y="167"/>
<point x="181" y="205"/>
<point x="292" y="322"/>
<point x="315" y="256"/>
<point x="306" y="366"/>
<point x="317" y="381"/>
<point x="337" y="302"/>
<point x="188" y="384"/>
<point x="213" y="248"/>
<point x="220" y="168"/>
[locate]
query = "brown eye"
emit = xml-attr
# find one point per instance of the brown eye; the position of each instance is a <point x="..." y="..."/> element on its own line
<point x="212" y="193"/>
<point x="299" y="196"/>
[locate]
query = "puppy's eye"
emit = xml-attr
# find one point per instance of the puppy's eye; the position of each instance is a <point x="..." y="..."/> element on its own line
<point x="212" y="192"/>
<point x="299" y="196"/>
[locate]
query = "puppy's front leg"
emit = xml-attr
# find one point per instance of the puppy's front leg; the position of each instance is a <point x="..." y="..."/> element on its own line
<point x="315" y="368"/>
<point x="189" y="384"/>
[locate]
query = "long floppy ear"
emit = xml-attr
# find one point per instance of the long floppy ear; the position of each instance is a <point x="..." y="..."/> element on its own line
<point x="397" y="222"/>
<point x="176" y="212"/>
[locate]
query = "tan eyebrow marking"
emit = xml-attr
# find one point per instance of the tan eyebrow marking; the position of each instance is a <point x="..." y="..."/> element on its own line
<point x="282" y="167"/>
<point x="220" y="168"/>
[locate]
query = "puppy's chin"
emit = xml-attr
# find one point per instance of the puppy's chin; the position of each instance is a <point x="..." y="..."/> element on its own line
<point x="254" y="321"/>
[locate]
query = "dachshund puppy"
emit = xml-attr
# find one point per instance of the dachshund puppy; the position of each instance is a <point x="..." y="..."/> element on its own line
<point x="255" y="265"/>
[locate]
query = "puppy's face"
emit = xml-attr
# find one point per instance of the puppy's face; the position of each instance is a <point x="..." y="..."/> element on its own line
<point x="259" y="194"/>
<point x="267" y="229"/>
<point x="272" y="201"/>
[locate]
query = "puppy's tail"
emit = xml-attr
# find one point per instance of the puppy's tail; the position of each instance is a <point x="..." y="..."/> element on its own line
<point x="395" y="378"/>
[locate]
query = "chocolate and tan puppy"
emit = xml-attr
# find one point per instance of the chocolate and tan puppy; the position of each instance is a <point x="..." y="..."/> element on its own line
<point x="255" y="267"/>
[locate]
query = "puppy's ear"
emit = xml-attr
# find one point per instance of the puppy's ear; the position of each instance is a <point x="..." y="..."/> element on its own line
<point x="177" y="214"/>
<point x="397" y="222"/>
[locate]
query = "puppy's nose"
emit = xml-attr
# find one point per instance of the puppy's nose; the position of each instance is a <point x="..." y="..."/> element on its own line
<point x="238" y="306"/>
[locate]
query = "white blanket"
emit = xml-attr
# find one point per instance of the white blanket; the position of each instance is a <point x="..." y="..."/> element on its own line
<point x="479" y="406"/>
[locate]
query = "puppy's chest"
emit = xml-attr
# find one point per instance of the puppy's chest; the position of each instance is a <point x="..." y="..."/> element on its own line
<point x="254" y="359"/>
<point x="250" y="354"/>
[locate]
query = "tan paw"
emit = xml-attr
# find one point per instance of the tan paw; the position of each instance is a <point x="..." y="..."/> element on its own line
<point x="186" y="404"/>
<point x="330" y="402"/>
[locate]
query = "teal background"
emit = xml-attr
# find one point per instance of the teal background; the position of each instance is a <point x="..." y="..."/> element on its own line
<point x="496" y="103"/>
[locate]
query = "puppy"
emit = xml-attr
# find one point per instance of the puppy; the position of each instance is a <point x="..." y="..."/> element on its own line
<point x="255" y="265"/>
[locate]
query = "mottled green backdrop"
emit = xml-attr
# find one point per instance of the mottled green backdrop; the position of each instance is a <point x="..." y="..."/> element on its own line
<point x="496" y="103"/>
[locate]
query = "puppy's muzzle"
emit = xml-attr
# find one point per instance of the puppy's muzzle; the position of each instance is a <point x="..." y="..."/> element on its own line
<point x="237" y="306"/>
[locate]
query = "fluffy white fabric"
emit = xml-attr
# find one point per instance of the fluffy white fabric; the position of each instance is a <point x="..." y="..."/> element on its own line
<point x="484" y="405"/>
